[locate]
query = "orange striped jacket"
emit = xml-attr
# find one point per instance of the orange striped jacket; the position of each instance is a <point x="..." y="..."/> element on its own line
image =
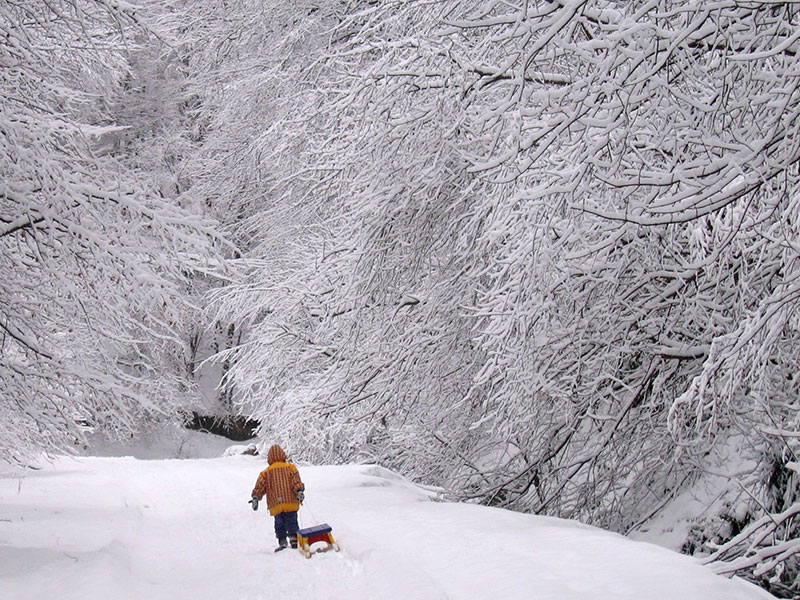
<point x="280" y="481"/>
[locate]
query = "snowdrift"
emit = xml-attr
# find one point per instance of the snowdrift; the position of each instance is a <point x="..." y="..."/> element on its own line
<point x="120" y="528"/>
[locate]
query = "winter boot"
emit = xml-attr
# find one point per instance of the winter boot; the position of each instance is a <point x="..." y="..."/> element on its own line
<point x="293" y="541"/>
<point x="282" y="544"/>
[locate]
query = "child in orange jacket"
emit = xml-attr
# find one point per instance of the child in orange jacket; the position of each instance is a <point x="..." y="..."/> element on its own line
<point x="285" y="491"/>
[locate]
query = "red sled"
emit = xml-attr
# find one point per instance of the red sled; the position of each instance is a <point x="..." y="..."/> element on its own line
<point x="318" y="533"/>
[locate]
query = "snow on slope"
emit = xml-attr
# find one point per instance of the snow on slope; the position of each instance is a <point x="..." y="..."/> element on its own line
<point x="119" y="528"/>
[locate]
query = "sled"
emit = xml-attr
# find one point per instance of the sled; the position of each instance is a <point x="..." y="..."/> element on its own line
<point x="311" y="535"/>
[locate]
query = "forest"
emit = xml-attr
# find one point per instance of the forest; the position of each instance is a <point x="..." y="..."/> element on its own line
<point x="542" y="254"/>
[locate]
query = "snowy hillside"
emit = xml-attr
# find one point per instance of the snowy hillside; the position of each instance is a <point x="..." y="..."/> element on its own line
<point x="119" y="528"/>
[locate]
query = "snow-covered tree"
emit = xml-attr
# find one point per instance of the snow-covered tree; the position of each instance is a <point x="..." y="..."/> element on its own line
<point x="95" y="261"/>
<point x="541" y="253"/>
<point x="674" y="123"/>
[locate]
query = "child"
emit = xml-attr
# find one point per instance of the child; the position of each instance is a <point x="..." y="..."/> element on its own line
<point x="285" y="491"/>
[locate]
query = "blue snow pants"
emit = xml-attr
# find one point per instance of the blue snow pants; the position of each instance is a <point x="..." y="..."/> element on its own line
<point x="286" y="524"/>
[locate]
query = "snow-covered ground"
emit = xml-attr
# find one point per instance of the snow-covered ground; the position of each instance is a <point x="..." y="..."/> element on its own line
<point x="114" y="528"/>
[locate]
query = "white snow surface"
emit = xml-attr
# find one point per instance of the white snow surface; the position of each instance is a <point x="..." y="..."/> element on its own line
<point x="115" y="528"/>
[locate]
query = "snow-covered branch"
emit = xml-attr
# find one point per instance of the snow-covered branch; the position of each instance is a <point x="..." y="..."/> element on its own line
<point x="95" y="261"/>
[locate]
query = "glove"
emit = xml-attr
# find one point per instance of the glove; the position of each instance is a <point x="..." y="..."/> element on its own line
<point x="254" y="502"/>
<point x="301" y="495"/>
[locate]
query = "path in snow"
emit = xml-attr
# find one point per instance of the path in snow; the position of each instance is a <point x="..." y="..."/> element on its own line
<point x="121" y="528"/>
